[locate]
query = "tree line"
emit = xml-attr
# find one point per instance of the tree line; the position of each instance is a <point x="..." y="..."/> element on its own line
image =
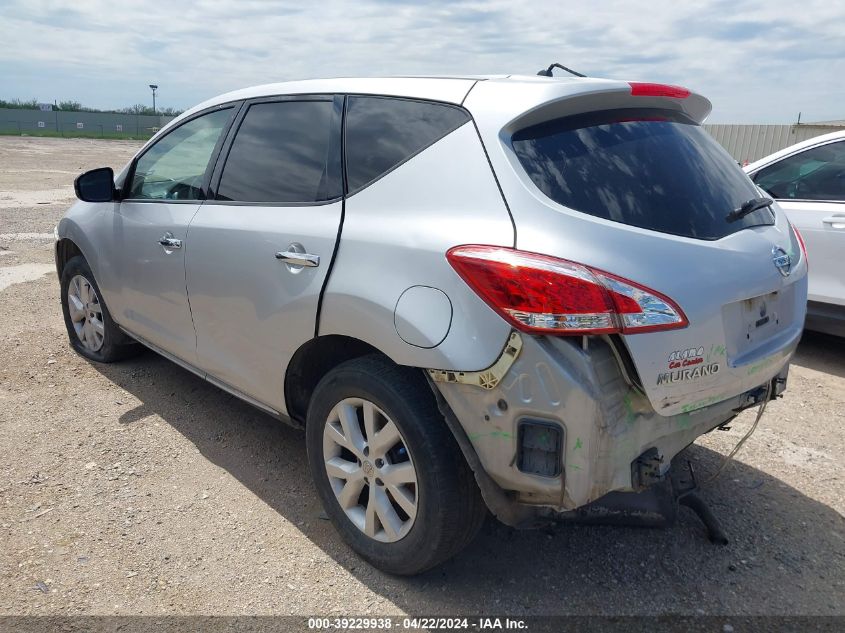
<point x="75" y="106"/>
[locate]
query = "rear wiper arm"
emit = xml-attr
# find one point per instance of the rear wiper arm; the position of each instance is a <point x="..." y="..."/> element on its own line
<point x="750" y="206"/>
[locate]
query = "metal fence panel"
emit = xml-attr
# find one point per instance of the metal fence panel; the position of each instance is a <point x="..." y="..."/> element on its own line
<point x="743" y="142"/>
<point x="96" y="124"/>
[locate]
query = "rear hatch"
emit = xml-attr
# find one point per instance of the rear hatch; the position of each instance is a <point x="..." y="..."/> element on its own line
<point x="623" y="179"/>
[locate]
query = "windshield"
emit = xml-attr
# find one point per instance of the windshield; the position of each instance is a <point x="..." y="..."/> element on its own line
<point x="654" y="169"/>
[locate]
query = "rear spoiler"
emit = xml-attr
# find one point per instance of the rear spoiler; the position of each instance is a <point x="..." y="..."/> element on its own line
<point x="522" y="102"/>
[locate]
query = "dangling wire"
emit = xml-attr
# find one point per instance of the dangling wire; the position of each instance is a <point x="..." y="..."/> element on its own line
<point x="739" y="444"/>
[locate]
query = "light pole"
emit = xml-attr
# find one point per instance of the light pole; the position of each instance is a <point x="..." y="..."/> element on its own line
<point x="154" y="87"/>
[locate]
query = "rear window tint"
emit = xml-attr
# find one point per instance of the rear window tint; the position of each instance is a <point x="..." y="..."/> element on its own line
<point x="652" y="169"/>
<point x="282" y="153"/>
<point x="382" y="133"/>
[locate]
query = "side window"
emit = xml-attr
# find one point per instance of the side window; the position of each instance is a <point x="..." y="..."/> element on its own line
<point x="173" y="168"/>
<point x="815" y="174"/>
<point x="283" y="153"/>
<point x="382" y="133"/>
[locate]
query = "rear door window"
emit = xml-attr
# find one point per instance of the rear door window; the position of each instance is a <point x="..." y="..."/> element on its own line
<point x="648" y="168"/>
<point x="382" y="133"/>
<point x="284" y="153"/>
<point x="814" y="174"/>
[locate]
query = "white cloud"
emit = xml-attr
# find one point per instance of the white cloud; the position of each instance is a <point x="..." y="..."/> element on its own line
<point x="758" y="61"/>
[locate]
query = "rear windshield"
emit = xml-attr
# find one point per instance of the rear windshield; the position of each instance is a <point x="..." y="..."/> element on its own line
<point x="653" y="169"/>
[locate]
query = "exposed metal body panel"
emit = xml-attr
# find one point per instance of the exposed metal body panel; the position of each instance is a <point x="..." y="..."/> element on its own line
<point x="608" y="424"/>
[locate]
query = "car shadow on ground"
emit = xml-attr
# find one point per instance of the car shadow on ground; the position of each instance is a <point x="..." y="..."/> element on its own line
<point x="822" y="352"/>
<point x="785" y="547"/>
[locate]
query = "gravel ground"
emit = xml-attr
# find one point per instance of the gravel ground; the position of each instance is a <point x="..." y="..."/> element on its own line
<point x="137" y="488"/>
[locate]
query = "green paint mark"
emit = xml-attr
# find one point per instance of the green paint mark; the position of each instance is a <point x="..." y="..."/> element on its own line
<point x="578" y="444"/>
<point x="684" y="421"/>
<point x="630" y="416"/>
<point x="715" y="350"/>
<point x="753" y="369"/>
<point x="574" y="467"/>
<point x="495" y="434"/>
<point x="698" y="404"/>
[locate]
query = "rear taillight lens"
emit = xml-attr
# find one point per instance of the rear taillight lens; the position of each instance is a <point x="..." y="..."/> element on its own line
<point x="800" y="239"/>
<point x="543" y="294"/>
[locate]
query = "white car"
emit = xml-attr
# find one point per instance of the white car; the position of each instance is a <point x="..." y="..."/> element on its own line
<point x="808" y="181"/>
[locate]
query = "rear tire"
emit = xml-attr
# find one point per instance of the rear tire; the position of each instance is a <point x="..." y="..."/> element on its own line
<point x="90" y="328"/>
<point x="404" y="504"/>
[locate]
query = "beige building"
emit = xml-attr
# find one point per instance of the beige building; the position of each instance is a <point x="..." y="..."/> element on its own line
<point x="750" y="142"/>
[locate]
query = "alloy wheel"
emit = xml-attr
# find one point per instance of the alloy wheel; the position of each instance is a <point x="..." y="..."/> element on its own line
<point x="370" y="470"/>
<point x="86" y="313"/>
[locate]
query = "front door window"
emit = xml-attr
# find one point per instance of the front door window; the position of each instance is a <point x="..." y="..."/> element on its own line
<point x="174" y="168"/>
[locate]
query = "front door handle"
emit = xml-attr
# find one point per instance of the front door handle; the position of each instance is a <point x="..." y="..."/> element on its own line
<point x="299" y="259"/>
<point x="169" y="242"/>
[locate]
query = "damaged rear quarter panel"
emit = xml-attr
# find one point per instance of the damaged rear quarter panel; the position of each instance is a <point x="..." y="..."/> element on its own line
<point x="607" y="424"/>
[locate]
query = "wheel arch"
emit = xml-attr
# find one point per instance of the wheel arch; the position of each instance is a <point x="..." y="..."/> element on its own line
<point x="66" y="249"/>
<point x="313" y="360"/>
<point x="84" y="232"/>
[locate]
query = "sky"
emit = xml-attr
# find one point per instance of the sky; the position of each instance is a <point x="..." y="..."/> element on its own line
<point x="757" y="61"/>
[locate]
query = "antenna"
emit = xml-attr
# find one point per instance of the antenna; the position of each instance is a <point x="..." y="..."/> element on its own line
<point x="548" y="71"/>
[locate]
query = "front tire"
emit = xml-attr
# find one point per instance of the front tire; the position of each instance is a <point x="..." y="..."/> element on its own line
<point x="90" y="328"/>
<point x="387" y="468"/>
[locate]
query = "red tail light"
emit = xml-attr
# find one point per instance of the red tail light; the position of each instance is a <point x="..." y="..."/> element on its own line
<point x="543" y="294"/>
<point x="800" y="242"/>
<point x="640" y="89"/>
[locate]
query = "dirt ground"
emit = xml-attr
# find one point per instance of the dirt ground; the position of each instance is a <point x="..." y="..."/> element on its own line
<point x="137" y="488"/>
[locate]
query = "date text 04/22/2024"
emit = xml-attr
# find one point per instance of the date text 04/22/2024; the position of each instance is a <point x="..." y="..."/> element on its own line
<point x="417" y="623"/>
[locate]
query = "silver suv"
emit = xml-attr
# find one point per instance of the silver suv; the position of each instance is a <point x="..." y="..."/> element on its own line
<point x="514" y="293"/>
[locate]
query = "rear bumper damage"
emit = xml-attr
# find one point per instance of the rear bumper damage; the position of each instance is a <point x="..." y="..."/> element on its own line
<point x="561" y="424"/>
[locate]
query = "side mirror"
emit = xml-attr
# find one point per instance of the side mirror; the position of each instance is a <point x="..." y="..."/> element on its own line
<point x="96" y="185"/>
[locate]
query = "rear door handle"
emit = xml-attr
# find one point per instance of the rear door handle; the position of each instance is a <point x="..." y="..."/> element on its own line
<point x="835" y="221"/>
<point x="299" y="259"/>
<point x="169" y="242"/>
